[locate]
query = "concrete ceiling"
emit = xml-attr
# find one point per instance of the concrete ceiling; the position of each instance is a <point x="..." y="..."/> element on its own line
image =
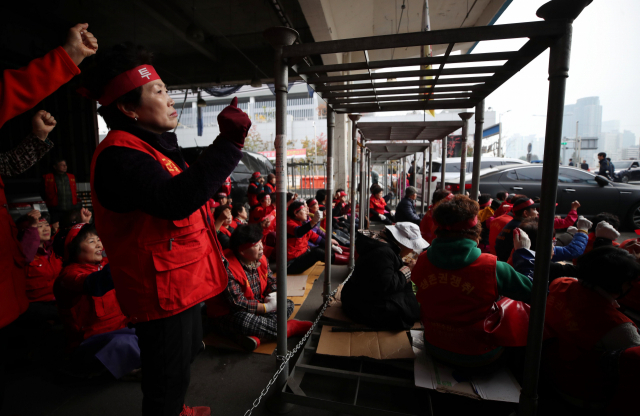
<point x="344" y="19"/>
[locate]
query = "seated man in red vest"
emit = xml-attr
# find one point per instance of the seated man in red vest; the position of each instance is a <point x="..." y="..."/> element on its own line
<point x="247" y="309"/>
<point x="95" y="326"/>
<point x="582" y="314"/>
<point x="59" y="190"/>
<point x="471" y="304"/>
<point x="44" y="266"/>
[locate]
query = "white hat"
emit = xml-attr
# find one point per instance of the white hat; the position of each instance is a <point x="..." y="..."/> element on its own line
<point x="408" y="234"/>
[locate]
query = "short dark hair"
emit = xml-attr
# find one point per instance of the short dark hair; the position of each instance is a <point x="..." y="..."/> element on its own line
<point x="245" y="233"/>
<point x="262" y="195"/>
<point x="236" y="210"/>
<point x="410" y="191"/>
<point x="310" y="200"/>
<point x="58" y="160"/>
<point x="603" y="154"/>
<point x="270" y="176"/>
<point x="439" y="195"/>
<point x="321" y="195"/>
<point x="339" y="190"/>
<point x="219" y="210"/>
<point x="375" y="189"/>
<point x="484" y="198"/>
<point x="449" y="212"/>
<point x="220" y="196"/>
<point x="608" y="267"/>
<point x="608" y="217"/>
<point x="502" y="195"/>
<point x="74" y="245"/>
<point x="289" y="196"/>
<point x="109" y="64"/>
<point x="293" y="207"/>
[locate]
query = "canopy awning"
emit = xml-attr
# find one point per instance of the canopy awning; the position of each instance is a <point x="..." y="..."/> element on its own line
<point x="411" y="130"/>
<point x="392" y="151"/>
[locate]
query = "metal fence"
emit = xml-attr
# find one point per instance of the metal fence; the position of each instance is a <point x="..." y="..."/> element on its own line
<point x="306" y="178"/>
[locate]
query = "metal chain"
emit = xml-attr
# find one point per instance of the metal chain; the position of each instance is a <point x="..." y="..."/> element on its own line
<point x="291" y="353"/>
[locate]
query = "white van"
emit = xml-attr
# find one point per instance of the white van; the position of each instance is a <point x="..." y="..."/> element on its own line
<point x="452" y="172"/>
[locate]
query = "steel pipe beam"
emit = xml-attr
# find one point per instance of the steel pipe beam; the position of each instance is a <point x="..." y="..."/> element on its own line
<point x="354" y="165"/>
<point x="463" y="147"/>
<point x="444" y="163"/>
<point x="393" y="84"/>
<point x="477" y="151"/>
<point x="407" y="74"/>
<point x="430" y="174"/>
<point x="423" y="185"/>
<point x="331" y="123"/>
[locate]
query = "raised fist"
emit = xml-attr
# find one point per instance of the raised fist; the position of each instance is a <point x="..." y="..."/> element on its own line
<point x="521" y="239"/>
<point x="42" y="124"/>
<point x="34" y="217"/>
<point x="575" y="205"/>
<point x="85" y="216"/>
<point x="80" y="43"/>
<point x="234" y="123"/>
<point x="606" y="230"/>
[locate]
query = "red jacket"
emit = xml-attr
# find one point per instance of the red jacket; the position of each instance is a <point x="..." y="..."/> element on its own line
<point x="219" y="306"/>
<point x="495" y="228"/>
<point x="20" y="90"/>
<point x="377" y="204"/>
<point x="270" y="188"/>
<point x="579" y="317"/>
<point x="259" y="213"/>
<point x="84" y="315"/>
<point x="460" y="308"/>
<point x="159" y="267"/>
<point x="252" y="194"/>
<point x="42" y="273"/>
<point x="298" y="246"/>
<point x="51" y="190"/>
<point x="427" y="226"/>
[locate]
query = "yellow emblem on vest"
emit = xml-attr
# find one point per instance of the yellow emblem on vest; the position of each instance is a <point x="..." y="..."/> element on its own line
<point x="171" y="167"/>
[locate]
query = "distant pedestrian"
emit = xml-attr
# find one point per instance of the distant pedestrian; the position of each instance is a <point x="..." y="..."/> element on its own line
<point x="375" y="178"/>
<point x="605" y="166"/>
<point x="584" y="165"/>
<point x="571" y="162"/>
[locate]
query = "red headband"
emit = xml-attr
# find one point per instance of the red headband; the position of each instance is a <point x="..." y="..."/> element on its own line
<point x="462" y="225"/>
<point x="73" y="233"/>
<point x="245" y="246"/>
<point x="450" y="196"/>
<point x="522" y="205"/>
<point x="127" y="81"/>
<point x="486" y="204"/>
<point x="342" y="193"/>
<point x="295" y="211"/>
<point x="313" y="202"/>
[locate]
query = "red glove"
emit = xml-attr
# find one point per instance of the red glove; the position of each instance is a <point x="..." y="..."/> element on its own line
<point x="234" y="123"/>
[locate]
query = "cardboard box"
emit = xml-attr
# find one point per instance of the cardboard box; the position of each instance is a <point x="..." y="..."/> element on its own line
<point x="379" y="345"/>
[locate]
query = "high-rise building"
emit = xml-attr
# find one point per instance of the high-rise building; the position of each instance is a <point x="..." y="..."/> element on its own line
<point x="628" y="139"/>
<point x="587" y="112"/>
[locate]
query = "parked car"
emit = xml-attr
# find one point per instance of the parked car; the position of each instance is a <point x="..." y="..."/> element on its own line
<point x="250" y="162"/>
<point x="622" y="165"/>
<point x="452" y="172"/>
<point x="629" y="175"/>
<point x="595" y="193"/>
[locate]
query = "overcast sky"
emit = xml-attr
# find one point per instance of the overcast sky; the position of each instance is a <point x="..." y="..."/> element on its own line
<point x="604" y="63"/>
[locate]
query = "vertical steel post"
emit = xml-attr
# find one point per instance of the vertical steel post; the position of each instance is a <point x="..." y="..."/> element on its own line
<point x="558" y="73"/>
<point x="279" y="37"/>
<point x="328" y="211"/>
<point x="430" y="174"/>
<point x="368" y="179"/>
<point x="363" y="191"/>
<point x="463" y="150"/>
<point x="444" y="163"/>
<point x="354" y="166"/>
<point x="424" y="177"/>
<point x="403" y="187"/>
<point x="477" y="151"/>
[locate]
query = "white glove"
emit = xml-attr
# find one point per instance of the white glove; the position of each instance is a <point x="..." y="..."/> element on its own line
<point x="337" y="249"/>
<point x="393" y="212"/>
<point x="606" y="230"/>
<point x="572" y="230"/>
<point x="382" y="217"/>
<point x="584" y="224"/>
<point x="271" y="302"/>
<point x="520" y="239"/>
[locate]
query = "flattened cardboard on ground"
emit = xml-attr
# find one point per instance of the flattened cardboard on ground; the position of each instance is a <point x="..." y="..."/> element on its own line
<point x="296" y="285"/>
<point x="336" y="313"/>
<point x="381" y="345"/>
<point x="500" y="386"/>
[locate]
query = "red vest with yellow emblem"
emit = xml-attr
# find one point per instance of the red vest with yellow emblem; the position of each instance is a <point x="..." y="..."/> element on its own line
<point x="42" y="273"/>
<point x="461" y="310"/>
<point x="219" y="306"/>
<point x="51" y="190"/>
<point x="159" y="267"/>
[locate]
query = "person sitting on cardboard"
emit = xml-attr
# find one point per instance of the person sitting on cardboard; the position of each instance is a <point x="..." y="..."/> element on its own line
<point x="246" y="310"/>
<point x="379" y="293"/>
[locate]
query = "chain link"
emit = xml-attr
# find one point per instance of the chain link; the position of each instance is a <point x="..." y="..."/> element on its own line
<point x="291" y="353"/>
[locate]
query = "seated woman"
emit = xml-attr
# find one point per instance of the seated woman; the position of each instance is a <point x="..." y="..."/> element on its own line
<point x="378" y="208"/>
<point x="313" y="207"/>
<point x="582" y="315"/>
<point x="222" y="220"/>
<point x="340" y="204"/>
<point x="270" y="186"/>
<point x="43" y="269"/>
<point x="466" y="322"/>
<point x="427" y="227"/>
<point x="246" y="311"/>
<point x="263" y="210"/>
<point x="68" y="220"/>
<point x="95" y="326"/>
<point x="239" y="214"/>
<point x="221" y="198"/>
<point x="299" y="256"/>
<point x="379" y="293"/>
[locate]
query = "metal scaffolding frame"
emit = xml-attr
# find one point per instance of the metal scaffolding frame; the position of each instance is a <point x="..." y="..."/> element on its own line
<point x="446" y="90"/>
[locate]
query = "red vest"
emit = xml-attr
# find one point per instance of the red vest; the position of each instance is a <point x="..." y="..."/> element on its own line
<point x="83" y="315"/>
<point x="13" y="298"/>
<point x="259" y="212"/>
<point x="224" y="230"/>
<point x="252" y="194"/>
<point x="377" y="204"/>
<point x="159" y="267"/>
<point x="272" y="188"/>
<point x="51" y="190"/>
<point x="298" y="246"/>
<point x="578" y="317"/>
<point x="460" y="309"/>
<point x="495" y="228"/>
<point x="427" y="226"/>
<point x="218" y="306"/>
<point x="42" y="272"/>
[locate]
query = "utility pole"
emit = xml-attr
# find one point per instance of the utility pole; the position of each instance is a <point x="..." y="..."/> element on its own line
<point x="577" y="144"/>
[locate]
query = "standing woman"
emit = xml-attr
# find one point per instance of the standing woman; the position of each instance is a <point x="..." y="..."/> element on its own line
<point x="150" y="213"/>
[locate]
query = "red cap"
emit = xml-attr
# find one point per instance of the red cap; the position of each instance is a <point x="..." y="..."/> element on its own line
<point x="73" y="233"/>
<point x="255" y="175"/>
